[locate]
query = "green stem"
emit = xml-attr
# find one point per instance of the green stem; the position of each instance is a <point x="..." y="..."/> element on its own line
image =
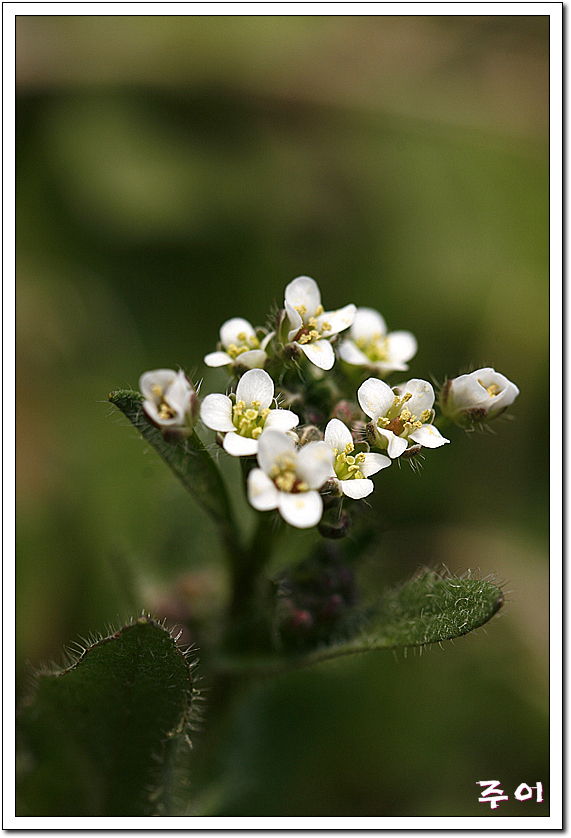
<point x="247" y="573"/>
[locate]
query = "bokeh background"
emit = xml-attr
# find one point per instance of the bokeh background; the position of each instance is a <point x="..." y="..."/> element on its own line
<point x="174" y="171"/>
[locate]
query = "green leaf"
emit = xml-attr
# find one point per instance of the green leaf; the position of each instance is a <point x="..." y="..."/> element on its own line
<point x="99" y="738"/>
<point x="188" y="458"/>
<point x="428" y="609"/>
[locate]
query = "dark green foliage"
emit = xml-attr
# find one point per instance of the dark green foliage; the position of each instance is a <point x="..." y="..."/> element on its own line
<point x="428" y="609"/>
<point x="97" y="739"/>
<point x="315" y="622"/>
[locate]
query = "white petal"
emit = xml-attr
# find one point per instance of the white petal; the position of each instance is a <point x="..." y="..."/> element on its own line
<point x="422" y="395"/>
<point x="281" y="420"/>
<point x="315" y="464"/>
<point x="357" y="489"/>
<point x="295" y="321"/>
<point x="337" y="435"/>
<point x="179" y="392"/>
<point x="255" y="385"/>
<point x="429" y="437"/>
<point x="230" y="330"/>
<point x="152" y="412"/>
<point x="240" y="446"/>
<point x="351" y="354"/>
<point x="253" y="359"/>
<point x="216" y="412"/>
<point x="319" y="353"/>
<point x="262" y="492"/>
<point x="375" y="397"/>
<point x="396" y="444"/>
<point x="301" y="509"/>
<point x="507" y="392"/>
<point x="266" y="340"/>
<point x="162" y="378"/>
<point x="401" y="347"/>
<point x="217" y="359"/>
<point x="368" y="325"/>
<point x="338" y="320"/>
<point x="373" y="463"/>
<point x="304" y="291"/>
<point x="273" y="446"/>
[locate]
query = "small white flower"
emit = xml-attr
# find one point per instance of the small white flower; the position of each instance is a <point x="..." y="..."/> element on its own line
<point x="242" y="422"/>
<point x="170" y="399"/>
<point x="289" y="480"/>
<point x="400" y="415"/>
<point x="477" y="397"/>
<point x="369" y="345"/>
<point x="240" y="346"/>
<point x="310" y="326"/>
<point x="351" y="470"/>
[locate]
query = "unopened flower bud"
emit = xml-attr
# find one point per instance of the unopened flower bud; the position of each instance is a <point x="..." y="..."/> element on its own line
<point x="336" y="525"/>
<point x="477" y="397"/>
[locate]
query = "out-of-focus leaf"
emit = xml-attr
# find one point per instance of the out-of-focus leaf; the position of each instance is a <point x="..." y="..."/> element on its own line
<point x="99" y="738"/>
<point x="188" y="458"/>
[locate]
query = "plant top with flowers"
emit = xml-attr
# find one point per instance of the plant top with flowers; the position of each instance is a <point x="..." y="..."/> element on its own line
<point x="305" y="408"/>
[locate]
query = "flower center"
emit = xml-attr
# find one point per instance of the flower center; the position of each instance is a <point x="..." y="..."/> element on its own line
<point x="249" y="422"/>
<point x="165" y="410"/>
<point x="310" y="331"/>
<point x="245" y="345"/>
<point x="346" y="465"/>
<point x="284" y="476"/>
<point x="400" y="420"/>
<point x="492" y="390"/>
<point x="375" y="348"/>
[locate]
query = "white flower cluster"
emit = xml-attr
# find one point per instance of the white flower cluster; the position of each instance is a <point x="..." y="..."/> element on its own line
<point x="299" y="462"/>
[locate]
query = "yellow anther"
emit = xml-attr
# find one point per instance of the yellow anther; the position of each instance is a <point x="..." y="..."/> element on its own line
<point x="325" y="327"/>
<point x="304" y="339"/>
<point x="426" y="415"/>
<point x="349" y="447"/>
<point x="492" y="390"/>
<point x="285" y="481"/>
<point x="242" y="337"/>
<point x="256" y="433"/>
<point x="319" y="310"/>
<point x="265" y="413"/>
<point x="301" y="310"/>
<point x="256" y="404"/>
<point x="406" y="415"/>
<point x="166" y="412"/>
<point x="314" y="334"/>
<point x="157" y="390"/>
<point x="312" y="323"/>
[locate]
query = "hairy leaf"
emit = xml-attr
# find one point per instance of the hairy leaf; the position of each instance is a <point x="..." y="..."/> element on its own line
<point x="428" y="609"/>
<point x="97" y="738"/>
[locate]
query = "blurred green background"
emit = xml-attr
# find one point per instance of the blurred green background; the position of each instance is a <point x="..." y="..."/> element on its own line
<point x="174" y="171"/>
